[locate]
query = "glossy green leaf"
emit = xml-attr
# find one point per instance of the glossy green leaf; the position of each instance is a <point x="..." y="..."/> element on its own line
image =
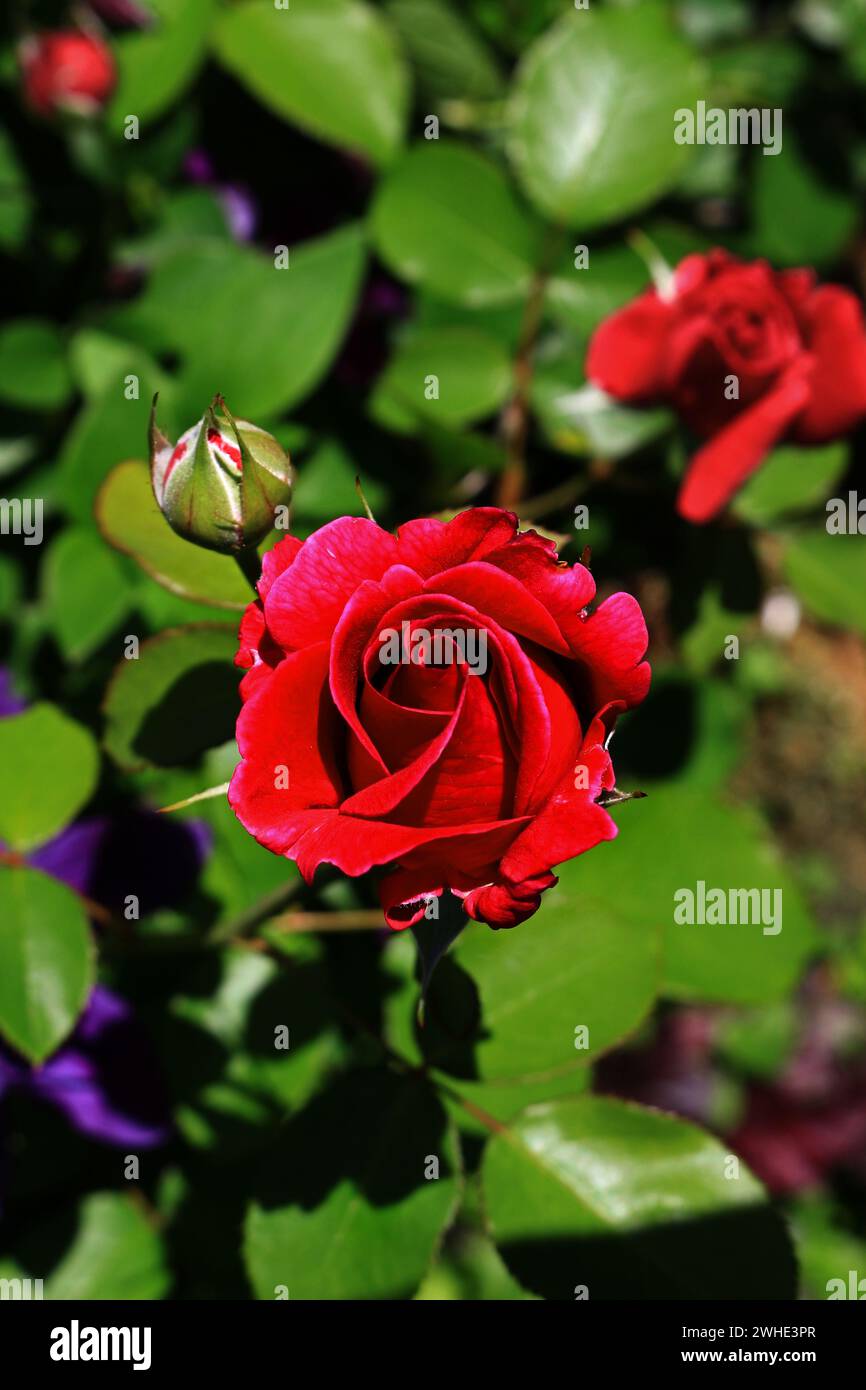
<point x="680" y="837"/>
<point x="131" y="521"/>
<point x="450" y="58"/>
<point x="592" y="113"/>
<point x="238" y="1015"/>
<point x="115" y="1252"/>
<point x="333" y="67"/>
<point x="46" y="961"/>
<point x="50" y="765"/>
<point x="346" y="1210"/>
<point x="176" y="700"/>
<point x="581" y="296"/>
<point x="85" y="591"/>
<point x="33" y="370"/>
<point x="689" y="730"/>
<point x="582" y="419"/>
<point x="791" y="480"/>
<point x="448" y="376"/>
<point x="624" y="1203"/>
<point x="156" y="63"/>
<point x="829" y="576"/>
<point x="110" y="428"/>
<point x="473" y="1271"/>
<point x="828" y="1251"/>
<point x="292" y="320"/>
<point x="326" y="487"/>
<point x="562" y="993"/>
<point x="446" y="218"/>
<point x="799" y="218"/>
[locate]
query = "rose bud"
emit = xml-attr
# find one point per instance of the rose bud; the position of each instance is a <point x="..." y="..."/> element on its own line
<point x="220" y="485"/>
<point x="67" y="71"/>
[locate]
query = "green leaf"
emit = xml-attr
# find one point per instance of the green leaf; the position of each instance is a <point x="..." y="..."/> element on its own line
<point x="451" y="60"/>
<point x="827" y="1250"/>
<point x="109" y="429"/>
<point x="293" y="320"/>
<point x="33" y="370"/>
<point x="46" y="961"/>
<point x="101" y="363"/>
<point x="241" y="1107"/>
<point x="130" y="520"/>
<point x="583" y="965"/>
<point x="630" y="1204"/>
<point x="703" y="646"/>
<point x="50" y="766"/>
<point x="116" y="1253"/>
<point x="758" y="72"/>
<point x="190" y="215"/>
<point x="175" y="701"/>
<point x="592" y="114"/>
<point x="829" y="576"/>
<point x="691" y="731"/>
<point x="723" y="847"/>
<point x="503" y="1100"/>
<point x="446" y="218"/>
<point x="797" y="217"/>
<point x="347" y="1211"/>
<point x="332" y="67"/>
<point x="583" y="419"/>
<point x="85" y="591"/>
<point x="791" y="480"/>
<point x="156" y="64"/>
<point x="581" y="298"/>
<point x="473" y="377"/>
<point x="326" y="487"/>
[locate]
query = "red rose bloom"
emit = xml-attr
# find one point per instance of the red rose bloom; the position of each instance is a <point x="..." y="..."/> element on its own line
<point x="67" y="71"/>
<point x="453" y="777"/>
<point x="798" y="352"/>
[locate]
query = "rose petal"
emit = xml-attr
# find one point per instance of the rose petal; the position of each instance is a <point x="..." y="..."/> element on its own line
<point x="626" y="354"/>
<point x="724" y="464"/>
<point x="272" y="735"/>
<point x="305" y="602"/>
<point x="429" y="546"/>
<point x="836" y="338"/>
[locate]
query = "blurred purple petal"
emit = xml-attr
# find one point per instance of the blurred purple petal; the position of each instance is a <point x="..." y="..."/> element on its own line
<point x="105" y="1079"/>
<point x="240" y="210"/>
<point x="10" y="703"/>
<point x="70" y="856"/>
<point x="132" y="853"/>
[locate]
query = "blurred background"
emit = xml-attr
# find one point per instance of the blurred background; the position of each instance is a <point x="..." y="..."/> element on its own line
<point x="144" y="218"/>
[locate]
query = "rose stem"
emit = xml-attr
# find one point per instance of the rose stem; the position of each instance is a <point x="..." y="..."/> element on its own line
<point x="250" y="566"/>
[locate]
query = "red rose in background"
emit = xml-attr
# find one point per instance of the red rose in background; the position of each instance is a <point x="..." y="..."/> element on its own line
<point x="798" y="352"/>
<point x="67" y="71"/>
<point x="450" y="777"/>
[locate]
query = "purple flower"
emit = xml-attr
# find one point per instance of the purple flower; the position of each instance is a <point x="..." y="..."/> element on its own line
<point x="103" y="1078"/>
